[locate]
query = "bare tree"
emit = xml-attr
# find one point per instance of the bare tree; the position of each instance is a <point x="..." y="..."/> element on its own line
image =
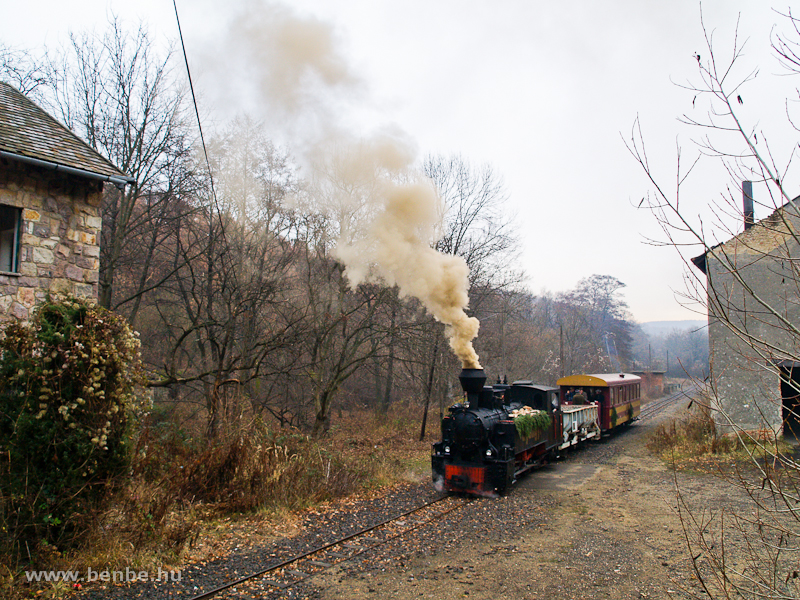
<point x="23" y="70"/>
<point x="477" y="223"/>
<point x="341" y="325"/>
<point x="581" y="347"/>
<point x="478" y="227"/>
<point x="749" y="285"/>
<point x="605" y="316"/>
<point x="680" y="352"/>
<point x="115" y="92"/>
<point x="227" y="316"/>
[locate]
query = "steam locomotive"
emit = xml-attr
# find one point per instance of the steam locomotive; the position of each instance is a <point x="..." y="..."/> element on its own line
<point x="500" y="432"/>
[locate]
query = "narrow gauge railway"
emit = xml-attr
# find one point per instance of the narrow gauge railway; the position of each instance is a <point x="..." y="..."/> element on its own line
<point x="294" y="570"/>
<point x="287" y="572"/>
<point x="500" y="432"/>
<point x="651" y="409"/>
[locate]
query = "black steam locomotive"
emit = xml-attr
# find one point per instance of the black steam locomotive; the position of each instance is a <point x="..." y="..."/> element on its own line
<point x="502" y="431"/>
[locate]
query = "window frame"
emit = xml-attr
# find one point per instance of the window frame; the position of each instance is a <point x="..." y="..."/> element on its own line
<point x="16" y="243"/>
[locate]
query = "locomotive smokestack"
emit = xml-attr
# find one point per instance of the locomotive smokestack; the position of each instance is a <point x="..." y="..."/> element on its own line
<point x="472" y="380"/>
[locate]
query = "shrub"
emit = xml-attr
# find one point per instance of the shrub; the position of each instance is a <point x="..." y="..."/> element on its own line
<point x="690" y="438"/>
<point x="265" y="468"/>
<point x="67" y="382"/>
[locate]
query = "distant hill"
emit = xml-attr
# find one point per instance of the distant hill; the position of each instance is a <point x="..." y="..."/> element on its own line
<point x="657" y="328"/>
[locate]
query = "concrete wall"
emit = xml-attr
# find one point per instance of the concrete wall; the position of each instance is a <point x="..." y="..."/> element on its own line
<point x="60" y="251"/>
<point x="746" y="338"/>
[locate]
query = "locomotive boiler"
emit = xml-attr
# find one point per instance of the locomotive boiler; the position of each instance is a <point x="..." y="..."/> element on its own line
<point x="499" y="432"/>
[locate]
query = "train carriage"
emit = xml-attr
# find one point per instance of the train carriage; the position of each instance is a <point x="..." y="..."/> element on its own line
<point x="618" y="395"/>
<point x="486" y="444"/>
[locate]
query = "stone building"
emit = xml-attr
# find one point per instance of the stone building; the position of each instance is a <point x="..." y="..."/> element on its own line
<point x="753" y="291"/>
<point x="51" y="187"/>
<point x="652" y="382"/>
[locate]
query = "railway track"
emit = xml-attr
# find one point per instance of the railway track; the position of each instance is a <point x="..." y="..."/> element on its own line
<point x="287" y="572"/>
<point x="291" y="571"/>
<point x="651" y="409"/>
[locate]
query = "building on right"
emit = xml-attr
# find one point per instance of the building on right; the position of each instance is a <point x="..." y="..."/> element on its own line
<point x="753" y="292"/>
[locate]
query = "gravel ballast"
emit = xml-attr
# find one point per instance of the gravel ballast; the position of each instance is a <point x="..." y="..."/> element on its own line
<point x="600" y="523"/>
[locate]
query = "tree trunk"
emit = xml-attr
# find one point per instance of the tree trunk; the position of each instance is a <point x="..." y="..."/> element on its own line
<point x="387" y="392"/>
<point x="429" y="388"/>
<point x="322" y="418"/>
<point x="378" y="383"/>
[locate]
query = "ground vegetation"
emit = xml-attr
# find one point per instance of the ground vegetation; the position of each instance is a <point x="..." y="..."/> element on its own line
<point x="748" y="551"/>
<point x="264" y="366"/>
<point x="68" y="405"/>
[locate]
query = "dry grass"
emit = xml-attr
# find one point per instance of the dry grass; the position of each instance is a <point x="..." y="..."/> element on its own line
<point x="693" y="444"/>
<point x="681" y="439"/>
<point x="186" y="501"/>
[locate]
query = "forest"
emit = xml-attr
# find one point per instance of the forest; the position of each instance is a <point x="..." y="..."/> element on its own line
<point x="255" y="352"/>
<point x="223" y="256"/>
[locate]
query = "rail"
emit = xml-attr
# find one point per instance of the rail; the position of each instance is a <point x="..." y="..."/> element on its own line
<point x="651" y="409"/>
<point x="290" y="578"/>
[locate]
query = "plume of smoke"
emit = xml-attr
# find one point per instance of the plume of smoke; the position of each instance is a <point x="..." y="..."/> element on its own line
<point x="401" y="217"/>
<point x="389" y="215"/>
<point x="285" y="67"/>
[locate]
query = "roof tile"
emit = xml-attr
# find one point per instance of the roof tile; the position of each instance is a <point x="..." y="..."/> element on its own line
<point x="28" y="130"/>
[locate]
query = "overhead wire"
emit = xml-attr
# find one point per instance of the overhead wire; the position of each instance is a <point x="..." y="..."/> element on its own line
<point x="197" y="114"/>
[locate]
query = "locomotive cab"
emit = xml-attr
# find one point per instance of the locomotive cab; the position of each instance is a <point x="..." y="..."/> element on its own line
<point x="536" y="396"/>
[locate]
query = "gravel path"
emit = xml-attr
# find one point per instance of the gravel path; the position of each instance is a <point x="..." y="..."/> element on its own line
<point x="600" y="523"/>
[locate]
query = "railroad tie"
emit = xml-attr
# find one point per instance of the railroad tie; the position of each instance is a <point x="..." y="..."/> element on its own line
<point x="297" y="573"/>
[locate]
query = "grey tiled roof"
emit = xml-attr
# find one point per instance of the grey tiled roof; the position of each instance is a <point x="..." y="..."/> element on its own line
<point x="28" y="130"/>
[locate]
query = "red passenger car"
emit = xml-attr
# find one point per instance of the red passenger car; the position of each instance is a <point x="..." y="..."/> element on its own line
<point x="618" y="395"/>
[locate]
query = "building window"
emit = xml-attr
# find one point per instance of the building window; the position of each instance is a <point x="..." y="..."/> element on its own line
<point x="10" y="225"/>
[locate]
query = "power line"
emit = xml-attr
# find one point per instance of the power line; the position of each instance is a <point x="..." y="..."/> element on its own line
<point x="197" y="114"/>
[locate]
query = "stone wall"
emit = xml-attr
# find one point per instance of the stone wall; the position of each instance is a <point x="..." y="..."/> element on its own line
<point x="744" y="368"/>
<point x="59" y="250"/>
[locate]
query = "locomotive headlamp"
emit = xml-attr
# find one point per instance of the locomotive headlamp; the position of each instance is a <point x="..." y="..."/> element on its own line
<point x="489" y="452"/>
<point x="447" y="449"/>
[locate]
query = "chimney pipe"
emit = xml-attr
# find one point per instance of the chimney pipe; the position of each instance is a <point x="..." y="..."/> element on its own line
<point x="747" y="204"/>
<point x="472" y="381"/>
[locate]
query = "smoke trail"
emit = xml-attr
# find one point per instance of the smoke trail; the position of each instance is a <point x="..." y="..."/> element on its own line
<point x="389" y="214"/>
<point x="393" y="243"/>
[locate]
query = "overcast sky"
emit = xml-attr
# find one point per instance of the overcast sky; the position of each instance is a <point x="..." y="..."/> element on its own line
<point x="545" y="92"/>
